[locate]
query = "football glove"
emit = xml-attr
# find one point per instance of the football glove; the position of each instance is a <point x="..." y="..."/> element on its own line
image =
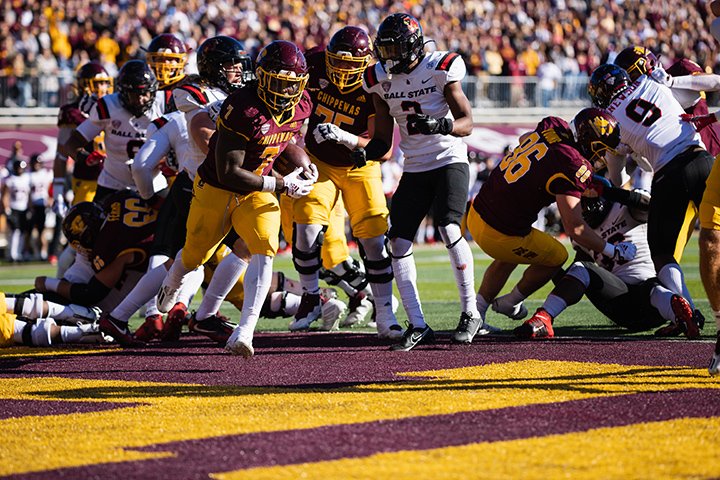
<point x="427" y="125"/>
<point x="311" y="173"/>
<point x="296" y="187"/>
<point x="60" y="206"/>
<point x="213" y="110"/>
<point x="699" y="121"/>
<point x="333" y="133"/>
<point x="661" y="76"/>
<point x="359" y="157"/>
<point x="621" y="252"/>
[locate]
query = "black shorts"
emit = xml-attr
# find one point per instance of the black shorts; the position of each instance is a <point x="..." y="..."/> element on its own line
<point x="626" y="305"/>
<point x="19" y="220"/>
<point x="445" y="189"/>
<point x="172" y="219"/>
<point x="39" y="215"/>
<point x="675" y="186"/>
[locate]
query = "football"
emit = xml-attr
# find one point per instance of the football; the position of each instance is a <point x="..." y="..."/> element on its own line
<point x="292" y="157"/>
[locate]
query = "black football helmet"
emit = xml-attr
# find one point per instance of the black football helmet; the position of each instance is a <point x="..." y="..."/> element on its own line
<point x="347" y="56"/>
<point x="636" y="61"/>
<point x="136" y="85"/>
<point x="93" y="79"/>
<point x="282" y="74"/>
<point x="596" y="132"/>
<point x="399" y="42"/>
<point x="606" y="82"/>
<point x="221" y="56"/>
<point x="167" y="56"/>
<point x="594" y="210"/>
<point x="82" y="224"/>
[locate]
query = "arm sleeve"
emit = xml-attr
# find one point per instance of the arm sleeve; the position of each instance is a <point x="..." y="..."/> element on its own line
<point x="144" y="167"/>
<point x="698" y="83"/>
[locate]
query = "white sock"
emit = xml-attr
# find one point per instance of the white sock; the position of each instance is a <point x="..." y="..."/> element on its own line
<point x="177" y="273"/>
<point x="406" y="279"/>
<point x="70" y="334"/>
<point x="59" y="312"/>
<point x="224" y="278"/>
<point x="156" y="261"/>
<point x="151" y="305"/>
<point x="257" y="285"/>
<point x="146" y="288"/>
<point x="293" y="286"/>
<point x="15" y="253"/>
<point x="554" y="305"/>
<point x="660" y="299"/>
<point x="512" y="300"/>
<point x="672" y="278"/>
<point x="65" y="260"/>
<point x="461" y="260"/>
<point x="482" y="305"/>
<point x="193" y="282"/>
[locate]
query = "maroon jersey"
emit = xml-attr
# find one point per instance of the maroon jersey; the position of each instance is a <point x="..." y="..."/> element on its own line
<point x="710" y="135"/>
<point x="246" y="116"/>
<point x="349" y="111"/>
<point x="70" y="116"/>
<point x="129" y="228"/>
<point x="545" y="164"/>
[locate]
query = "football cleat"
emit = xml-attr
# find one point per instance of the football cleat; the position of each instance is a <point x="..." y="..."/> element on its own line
<point x="331" y="311"/>
<point x="237" y="346"/>
<point x="173" y="323"/>
<point x="538" y="326"/>
<point x="83" y="314"/>
<point x="699" y="319"/>
<point x="216" y="327"/>
<point x="167" y="298"/>
<point x="684" y="316"/>
<point x="90" y="333"/>
<point x="714" y="367"/>
<point x="310" y="310"/>
<point x="359" y="307"/>
<point x="516" y="312"/>
<point x="150" y="329"/>
<point x="414" y="336"/>
<point x="119" y="331"/>
<point x="467" y="328"/>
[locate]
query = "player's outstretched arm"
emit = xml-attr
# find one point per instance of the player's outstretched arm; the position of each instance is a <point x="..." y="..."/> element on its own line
<point x="460" y="108"/>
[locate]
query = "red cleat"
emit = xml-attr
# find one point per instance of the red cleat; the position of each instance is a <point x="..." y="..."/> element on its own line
<point x="173" y="323"/>
<point x="150" y="328"/>
<point x="539" y="326"/>
<point x="119" y="331"/>
<point x="684" y="316"/>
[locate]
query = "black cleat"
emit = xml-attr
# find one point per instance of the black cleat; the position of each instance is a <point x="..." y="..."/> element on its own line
<point x="414" y="336"/>
<point x="216" y="327"/>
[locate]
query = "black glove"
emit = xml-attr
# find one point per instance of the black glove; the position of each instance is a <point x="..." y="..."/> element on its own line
<point x="359" y="157"/>
<point x="428" y="125"/>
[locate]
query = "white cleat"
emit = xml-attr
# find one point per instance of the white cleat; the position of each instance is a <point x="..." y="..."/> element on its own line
<point x="357" y="315"/>
<point x="331" y="311"/>
<point x="310" y="310"/>
<point x="167" y="298"/>
<point x="237" y="346"/>
<point x="516" y="312"/>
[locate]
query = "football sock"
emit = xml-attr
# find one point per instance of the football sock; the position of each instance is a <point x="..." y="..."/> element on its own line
<point x="145" y="289"/>
<point x="660" y="298"/>
<point x="156" y="261"/>
<point x="375" y="252"/>
<point x="257" y="285"/>
<point x="482" y="305"/>
<point x="65" y="260"/>
<point x="403" y="265"/>
<point x="307" y="242"/>
<point x="292" y="286"/>
<point x="554" y="305"/>
<point x="193" y="282"/>
<point x="176" y="275"/>
<point x="672" y="278"/>
<point x="511" y="301"/>
<point x="462" y="262"/>
<point x="70" y="334"/>
<point x="59" y="312"/>
<point x="224" y="278"/>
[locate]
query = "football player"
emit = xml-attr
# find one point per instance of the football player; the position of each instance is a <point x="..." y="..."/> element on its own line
<point x="116" y="243"/>
<point x="255" y="125"/>
<point x="167" y="56"/>
<point x="343" y="116"/>
<point x="15" y="202"/>
<point x="648" y="114"/>
<point x="422" y="92"/>
<point x="124" y="116"/>
<point x="628" y="293"/>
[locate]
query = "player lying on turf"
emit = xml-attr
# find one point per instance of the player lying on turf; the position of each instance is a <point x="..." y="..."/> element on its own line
<point x="28" y="319"/>
<point x="627" y="292"/>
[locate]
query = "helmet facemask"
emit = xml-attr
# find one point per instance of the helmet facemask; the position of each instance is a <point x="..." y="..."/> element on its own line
<point x="169" y="67"/>
<point x="281" y="90"/>
<point x="344" y="70"/>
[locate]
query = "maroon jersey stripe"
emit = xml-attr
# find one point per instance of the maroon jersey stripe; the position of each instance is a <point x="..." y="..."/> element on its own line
<point x="446" y="61"/>
<point x="196" y="93"/>
<point x="160" y="122"/>
<point x="370" y="77"/>
<point x="103" y="110"/>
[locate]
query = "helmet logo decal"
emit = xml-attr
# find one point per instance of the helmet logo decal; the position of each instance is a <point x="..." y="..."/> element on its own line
<point x="77" y="226"/>
<point x="411" y="23"/>
<point x="602" y="126"/>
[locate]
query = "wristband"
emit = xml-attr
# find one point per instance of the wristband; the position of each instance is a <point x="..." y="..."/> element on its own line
<point x="269" y="183"/>
<point x="351" y="141"/>
<point x="609" y="250"/>
<point x="52" y="284"/>
<point x="445" y="126"/>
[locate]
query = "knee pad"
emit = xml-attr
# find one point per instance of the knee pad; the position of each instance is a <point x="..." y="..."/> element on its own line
<point x="353" y="275"/>
<point x="451" y="234"/>
<point x="267" y="311"/>
<point x="378" y="271"/>
<point x="29" y="305"/>
<point x="308" y="262"/>
<point x="36" y="334"/>
<point x="578" y="271"/>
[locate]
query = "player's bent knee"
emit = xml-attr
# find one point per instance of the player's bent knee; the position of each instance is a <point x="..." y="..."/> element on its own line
<point x="578" y="271"/>
<point x="371" y="226"/>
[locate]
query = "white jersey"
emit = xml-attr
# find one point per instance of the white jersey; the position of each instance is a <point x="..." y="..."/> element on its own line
<point x="40" y="182"/>
<point x="191" y="100"/>
<point x="621" y="226"/>
<point x="18" y="187"/>
<point x="649" y="118"/>
<point x="124" y="135"/>
<point x="167" y="137"/>
<point x="421" y="92"/>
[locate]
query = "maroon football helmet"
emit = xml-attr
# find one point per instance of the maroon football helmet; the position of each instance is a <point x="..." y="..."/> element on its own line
<point x="347" y="56"/>
<point x="636" y="61"/>
<point x="596" y="132"/>
<point x="282" y="74"/>
<point x="93" y="79"/>
<point x="167" y="56"/>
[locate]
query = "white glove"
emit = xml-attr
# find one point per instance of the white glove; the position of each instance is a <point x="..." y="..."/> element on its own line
<point x="312" y="173"/>
<point x="59" y="205"/>
<point x="661" y="76"/>
<point x="296" y="187"/>
<point x="213" y="110"/>
<point x="621" y="252"/>
<point x="330" y="131"/>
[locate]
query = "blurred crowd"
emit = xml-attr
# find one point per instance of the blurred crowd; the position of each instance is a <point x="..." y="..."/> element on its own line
<point x="42" y="42"/>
